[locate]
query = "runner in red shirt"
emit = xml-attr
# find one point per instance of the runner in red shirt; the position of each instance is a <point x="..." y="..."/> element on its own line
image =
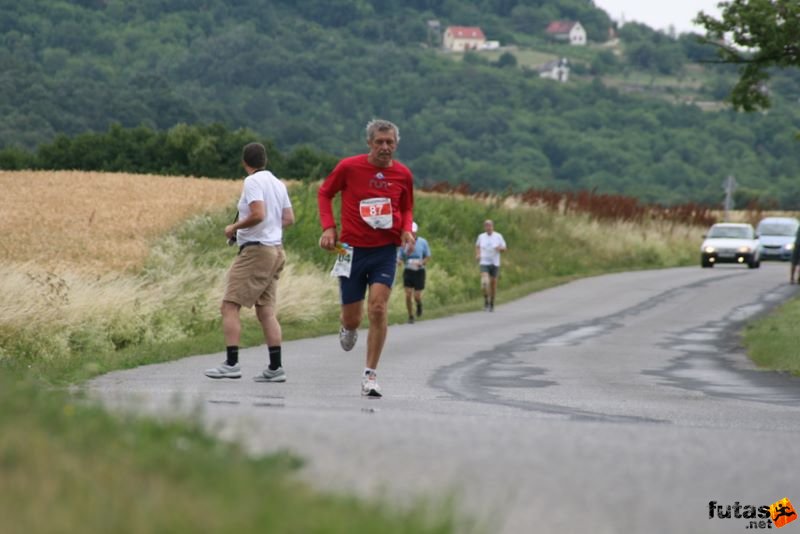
<point x="377" y="213"/>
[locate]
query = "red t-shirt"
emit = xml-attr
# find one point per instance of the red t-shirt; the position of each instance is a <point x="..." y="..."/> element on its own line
<point x="377" y="202"/>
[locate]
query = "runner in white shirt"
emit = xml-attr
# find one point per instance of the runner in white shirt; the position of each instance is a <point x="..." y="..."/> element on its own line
<point x="264" y="209"/>
<point x="488" y="247"/>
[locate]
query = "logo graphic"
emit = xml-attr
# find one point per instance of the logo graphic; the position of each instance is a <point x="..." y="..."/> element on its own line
<point x="776" y="515"/>
<point x="782" y="513"/>
<point x="380" y="181"/>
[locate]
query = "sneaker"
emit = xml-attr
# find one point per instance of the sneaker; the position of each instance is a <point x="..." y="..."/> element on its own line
<point x="491" y="307"/>
<point x="225" y="371"/>
<point x="268" y="375"/>
<point x="370" y="387"/>
<point x="419" y="309"/>
<point x="347" y="338"/>
<point x="410" y="319"/>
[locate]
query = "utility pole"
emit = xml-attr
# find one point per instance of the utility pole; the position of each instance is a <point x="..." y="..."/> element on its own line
<point x="729" y="185"/>
<point x="434" y="33"/>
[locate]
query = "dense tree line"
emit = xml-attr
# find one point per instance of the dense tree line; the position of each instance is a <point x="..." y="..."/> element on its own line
<point x="210" y="151"/>
<point x="309" y="77"/>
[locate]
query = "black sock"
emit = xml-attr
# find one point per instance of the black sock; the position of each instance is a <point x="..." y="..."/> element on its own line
<point x="274" y="357"/>
<point x="233" y="355"/>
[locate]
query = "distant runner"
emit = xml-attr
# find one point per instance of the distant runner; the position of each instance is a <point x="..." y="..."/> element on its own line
<point x="795" y="259"/>
<point x="376" y="217"/>
<point x="414" y="272"/>
<point x="488" y="247"/>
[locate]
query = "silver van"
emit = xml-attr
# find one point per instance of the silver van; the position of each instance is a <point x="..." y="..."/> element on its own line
<point x="777" y="235"/>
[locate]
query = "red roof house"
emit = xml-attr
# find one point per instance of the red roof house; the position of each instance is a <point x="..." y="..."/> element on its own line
<point x="460" y="38"/>
<point x="567" y="30"/>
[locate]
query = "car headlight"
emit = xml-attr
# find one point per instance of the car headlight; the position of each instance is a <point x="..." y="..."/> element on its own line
<point x="744" y="250"/>
<point x="709" y="250"/>
<point x="789" y="246"/>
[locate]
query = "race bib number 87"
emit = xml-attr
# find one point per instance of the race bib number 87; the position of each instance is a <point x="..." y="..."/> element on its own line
<point x="377" y="212"/>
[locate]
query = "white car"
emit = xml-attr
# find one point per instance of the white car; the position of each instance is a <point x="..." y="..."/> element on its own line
<point x="776" y="236"/>
<point x="731" y="243"/>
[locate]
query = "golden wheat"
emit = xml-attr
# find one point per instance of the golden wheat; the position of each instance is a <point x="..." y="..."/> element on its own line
<point x="97" y="222"/>
<point x="72" y="245"/>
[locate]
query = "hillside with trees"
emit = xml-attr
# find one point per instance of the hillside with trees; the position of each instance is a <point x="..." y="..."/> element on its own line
<point x="633" y="119"/>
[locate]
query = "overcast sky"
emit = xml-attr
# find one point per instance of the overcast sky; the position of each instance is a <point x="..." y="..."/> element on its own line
<point x="659" y="14"/>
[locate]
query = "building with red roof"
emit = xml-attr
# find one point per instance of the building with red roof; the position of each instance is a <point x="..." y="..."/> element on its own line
<point x="461" y="38"/>
<point x="567" y="30"/>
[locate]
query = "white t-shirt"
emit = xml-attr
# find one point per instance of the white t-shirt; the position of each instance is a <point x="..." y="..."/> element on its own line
<point x="488" y="245"/>
<point x="264" y="186"/>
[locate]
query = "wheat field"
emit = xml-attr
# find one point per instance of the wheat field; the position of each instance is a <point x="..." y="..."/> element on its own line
<point x="97" y="222"/>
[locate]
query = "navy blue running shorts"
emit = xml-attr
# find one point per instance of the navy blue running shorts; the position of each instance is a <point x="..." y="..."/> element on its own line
<point x="370" y="265"/>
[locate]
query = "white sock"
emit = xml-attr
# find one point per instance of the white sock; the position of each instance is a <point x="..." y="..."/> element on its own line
<point x="368" y="371"/>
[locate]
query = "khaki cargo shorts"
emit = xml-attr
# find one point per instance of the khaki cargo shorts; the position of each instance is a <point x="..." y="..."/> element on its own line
<point x="253" y="277"/>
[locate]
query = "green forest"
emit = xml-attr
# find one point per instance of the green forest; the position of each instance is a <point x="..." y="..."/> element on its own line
<point x="186" y="77"/>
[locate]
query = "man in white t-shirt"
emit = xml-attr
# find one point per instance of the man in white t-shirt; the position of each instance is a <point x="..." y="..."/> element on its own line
<point x="264" y="209"/>
<point x="488" y="247"/>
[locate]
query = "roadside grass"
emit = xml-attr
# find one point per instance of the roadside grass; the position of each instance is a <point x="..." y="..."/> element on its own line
<point x="773" y="341"/>
<point x="68" y="466"/>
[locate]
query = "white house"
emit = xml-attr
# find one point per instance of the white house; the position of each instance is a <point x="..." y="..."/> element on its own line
<point x="568" y="31"/>
<point x="461" y="38"/>
<point x="558" y="70"/>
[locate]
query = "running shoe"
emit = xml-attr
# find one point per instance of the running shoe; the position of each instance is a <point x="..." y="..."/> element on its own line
<point x="225" y="371"/>
<point x="370" y="387"/>
<point x="347" y="338"/>
<point x="410" y="319"/>
<point x="268" y="375"/>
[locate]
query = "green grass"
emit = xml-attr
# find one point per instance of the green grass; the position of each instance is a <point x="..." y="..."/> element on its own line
<point x="576" y="54"/>
<point x="526" y="57"/>
<point x="773" y="341"/>
<point x="68" y="466"/>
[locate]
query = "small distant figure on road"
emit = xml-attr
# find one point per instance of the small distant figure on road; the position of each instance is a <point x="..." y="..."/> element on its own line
<point x="414" y="272"/>
<point x="795" y="262"/>
<point x="264" y="210"/>
<point x="377" y="194"/>
<point x="488" y="247"/>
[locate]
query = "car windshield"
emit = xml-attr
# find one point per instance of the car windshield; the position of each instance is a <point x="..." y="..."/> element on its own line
<point x="732" y="232"/>
<point x="782" y="229"/>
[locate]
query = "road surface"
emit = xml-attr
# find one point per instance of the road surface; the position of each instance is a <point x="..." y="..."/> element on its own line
<point x="618" y="403"/>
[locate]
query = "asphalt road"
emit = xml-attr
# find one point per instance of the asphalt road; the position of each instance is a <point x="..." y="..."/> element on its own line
<point x="619" y="403"/>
